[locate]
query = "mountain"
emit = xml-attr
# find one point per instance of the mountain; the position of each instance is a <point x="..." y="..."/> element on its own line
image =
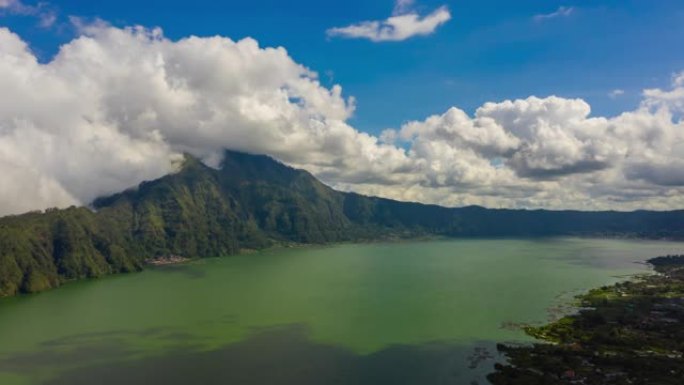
<point x="252" y="202"/>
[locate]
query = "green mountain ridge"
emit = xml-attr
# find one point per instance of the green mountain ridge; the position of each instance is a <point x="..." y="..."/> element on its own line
<point x="253" y="202"/>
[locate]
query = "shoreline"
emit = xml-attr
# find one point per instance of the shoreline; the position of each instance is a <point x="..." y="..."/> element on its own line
<point x="390" y="239"/>
<point x="625" y="333"/>
<point x="167" y="261"/>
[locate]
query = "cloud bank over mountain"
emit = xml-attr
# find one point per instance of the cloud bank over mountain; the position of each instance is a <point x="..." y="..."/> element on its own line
<point x="118" y="106"/>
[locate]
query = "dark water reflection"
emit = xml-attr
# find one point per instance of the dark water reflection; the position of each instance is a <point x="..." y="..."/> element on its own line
<point x="283" y="355"/>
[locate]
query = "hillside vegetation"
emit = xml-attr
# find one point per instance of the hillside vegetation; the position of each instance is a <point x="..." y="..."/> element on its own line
<point x="253" y="202"/>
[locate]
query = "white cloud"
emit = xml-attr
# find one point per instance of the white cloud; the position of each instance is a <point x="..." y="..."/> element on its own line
<point x="560" y="12"/>
<point x="119" y="106"/>
<point x="672" y="99"/>
<point x="399" y="27"/>
<point x="551" y="153"/>
<point x="45" y="13"/>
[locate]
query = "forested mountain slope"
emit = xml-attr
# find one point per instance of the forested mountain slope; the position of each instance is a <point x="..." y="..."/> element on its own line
<point x="252" y="202"/>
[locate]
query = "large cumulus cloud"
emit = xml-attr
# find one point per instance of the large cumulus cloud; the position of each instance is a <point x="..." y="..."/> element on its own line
<point x="118" y="106"/>
<point x="556" y="150"/>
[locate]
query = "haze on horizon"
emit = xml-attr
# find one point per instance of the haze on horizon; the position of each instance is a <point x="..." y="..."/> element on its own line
<point x="120" y="102"/>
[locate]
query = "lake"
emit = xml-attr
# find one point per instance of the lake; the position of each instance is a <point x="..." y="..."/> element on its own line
<point x="427" y="312"/>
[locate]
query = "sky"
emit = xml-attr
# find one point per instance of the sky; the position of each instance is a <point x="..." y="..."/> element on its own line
<point x="529" y="104"/>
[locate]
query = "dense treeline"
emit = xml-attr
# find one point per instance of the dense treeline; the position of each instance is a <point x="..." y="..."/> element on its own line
<point x="252" y="202"/>
<point x="666" y="262"/>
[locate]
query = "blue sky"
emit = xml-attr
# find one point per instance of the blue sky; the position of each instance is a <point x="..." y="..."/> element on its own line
<point x="491" y="50"/>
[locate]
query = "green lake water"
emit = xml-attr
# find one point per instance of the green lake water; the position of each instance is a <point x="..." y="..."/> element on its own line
<point x="398" y="313"/>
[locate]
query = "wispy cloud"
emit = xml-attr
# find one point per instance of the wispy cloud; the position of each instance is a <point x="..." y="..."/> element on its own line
<point x="87" y="26"/>
<point x="616" y="93"/>
<point x="560" y="12"/>
<point x="46" y="14"/>
<point x="403" y="6"/>
<point x="404" y="23"/>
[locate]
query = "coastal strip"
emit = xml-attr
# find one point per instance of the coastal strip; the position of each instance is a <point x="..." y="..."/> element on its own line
<point x="628" y="333"/>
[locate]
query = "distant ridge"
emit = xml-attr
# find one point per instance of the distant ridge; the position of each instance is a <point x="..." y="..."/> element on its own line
<point x="253" y="202"/>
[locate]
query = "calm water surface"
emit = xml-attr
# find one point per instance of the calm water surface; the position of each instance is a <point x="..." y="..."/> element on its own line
<point x="400" y="313"/>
